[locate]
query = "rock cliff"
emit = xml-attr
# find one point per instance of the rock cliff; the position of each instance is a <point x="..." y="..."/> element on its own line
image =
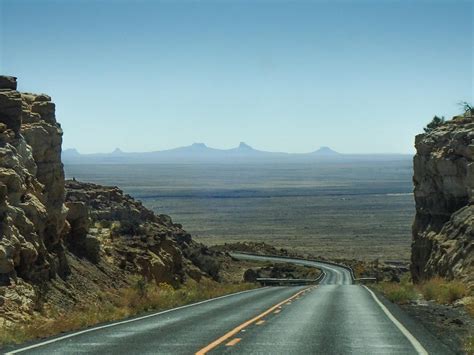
<point x="62" y="243"/>
<point x="443" y="230"/>
<point x="32" y="207"/>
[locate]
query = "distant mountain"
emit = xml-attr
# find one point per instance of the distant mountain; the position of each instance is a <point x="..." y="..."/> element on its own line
<point x="70" y="153"/>
<point x="117" y="151"/>
<point x="325" y="151"/>
<point x="244" y="148"/>
<point x="200" y="152"/>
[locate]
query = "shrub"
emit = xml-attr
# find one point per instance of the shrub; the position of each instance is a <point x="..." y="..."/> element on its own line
<point x="467" y="107"/>
<point x="442" y="291"/>
<point x="401" y="293"/>
<point x="435" y="123"/>
<point x="470" y="308"/>
<point x="469" y="345"/>
<point x="359" y="270"/>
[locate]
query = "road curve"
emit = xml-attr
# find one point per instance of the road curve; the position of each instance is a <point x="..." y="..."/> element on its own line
<point x="335" y="317"/>
<point x="334" y="274"/>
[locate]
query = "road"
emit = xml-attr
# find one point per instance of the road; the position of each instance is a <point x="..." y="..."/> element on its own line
<point x="335" y="317"/>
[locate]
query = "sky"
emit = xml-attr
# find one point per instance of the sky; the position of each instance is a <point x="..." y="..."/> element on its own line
<point x="358" y="76"/>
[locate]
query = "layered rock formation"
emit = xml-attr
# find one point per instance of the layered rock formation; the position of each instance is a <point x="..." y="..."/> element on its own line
<point x="64" y="247"/>
<point x="31" y="187"/>
<point x="443" y="230"/>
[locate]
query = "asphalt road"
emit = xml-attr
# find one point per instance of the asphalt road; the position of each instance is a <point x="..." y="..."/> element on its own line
<point x="335" y="317"/>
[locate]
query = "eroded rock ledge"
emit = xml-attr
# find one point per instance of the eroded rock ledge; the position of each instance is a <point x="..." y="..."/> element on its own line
<point x="443" y="230"/>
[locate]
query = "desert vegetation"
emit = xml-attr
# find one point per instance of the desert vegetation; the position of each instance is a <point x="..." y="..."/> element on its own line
<point x="398" y="292"/>
<point x="141" y="296"/>
<point x="436" y="289"/>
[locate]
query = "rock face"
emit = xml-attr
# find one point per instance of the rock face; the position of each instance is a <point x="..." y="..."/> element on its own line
<point x="64" y="246"/>
<point x="443" y="230"/>
<point x="31" y="187"/>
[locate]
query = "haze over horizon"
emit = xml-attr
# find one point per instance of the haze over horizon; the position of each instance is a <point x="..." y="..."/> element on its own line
<point x="241" y="145"/>
<point x="282" y="76"/>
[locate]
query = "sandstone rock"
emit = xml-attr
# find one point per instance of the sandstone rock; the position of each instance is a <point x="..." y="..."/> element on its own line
<point x="7" y="82"/>
<point x="444" y="182"/>
<point x="32" y="188"/>
<point x="10" y="109"/>
<point x="45" y="109"/>
<point x="142" y="241"/>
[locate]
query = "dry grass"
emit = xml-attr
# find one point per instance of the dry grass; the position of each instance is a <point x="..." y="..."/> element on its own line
<point x="436" y="289"/>
<point x="469" y="345"/>
<point x="442" y="291"/>
<point x="114" y="305"/>
<point x="470" y="308"/>
<point x="401" y="293"/>
<point x="359" y="269"/>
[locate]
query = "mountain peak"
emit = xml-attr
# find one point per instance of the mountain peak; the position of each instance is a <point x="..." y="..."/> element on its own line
<point x="199" y="145"/>
<point x="71" y="152"/>
<point x="244" y="145"/>
<point x="325" y="151"/>
<point x="117" y="151"/>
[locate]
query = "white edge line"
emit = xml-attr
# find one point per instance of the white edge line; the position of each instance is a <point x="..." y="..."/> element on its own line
<point x="325" y="275"/>
<point x="414" y="342"/>
<point x="127" y="321"/>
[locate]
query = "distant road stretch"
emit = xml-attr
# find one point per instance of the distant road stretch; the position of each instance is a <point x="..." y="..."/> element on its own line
<point x="335" y="317"/>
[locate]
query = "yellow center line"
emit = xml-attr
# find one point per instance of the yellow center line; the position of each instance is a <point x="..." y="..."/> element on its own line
<point x="233" y="341"/>
<point x="237" y="329"/>
<point x="260" y="322"/>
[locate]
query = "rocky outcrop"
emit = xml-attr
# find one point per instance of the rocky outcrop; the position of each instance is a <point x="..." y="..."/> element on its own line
<point x="64" y="247"/>
<point x="443" y="230"/>
<point x="107" y="224"/>
<point x="31" y="187"/>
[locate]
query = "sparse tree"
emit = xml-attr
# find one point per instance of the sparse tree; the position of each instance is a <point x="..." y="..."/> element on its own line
<point x="467" y="107"/>
<point x="435" y="123"/>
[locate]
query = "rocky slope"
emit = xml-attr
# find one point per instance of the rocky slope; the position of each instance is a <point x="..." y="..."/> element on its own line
<point x="63" y="246"/>
<point x="443" y="230"/>
<point x="105" y="224"/>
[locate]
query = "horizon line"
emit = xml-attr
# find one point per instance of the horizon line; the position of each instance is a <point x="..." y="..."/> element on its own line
<point x="241" y="145"/>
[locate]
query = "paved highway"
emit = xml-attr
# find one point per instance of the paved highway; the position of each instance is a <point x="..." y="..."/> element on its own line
<point x="335" y="317"/>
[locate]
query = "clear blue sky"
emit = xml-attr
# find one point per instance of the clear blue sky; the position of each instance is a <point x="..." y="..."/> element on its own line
<point x="359" y="76"/>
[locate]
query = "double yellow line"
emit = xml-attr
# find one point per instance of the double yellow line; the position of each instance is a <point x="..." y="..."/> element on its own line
<point x="237" y="329"/>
